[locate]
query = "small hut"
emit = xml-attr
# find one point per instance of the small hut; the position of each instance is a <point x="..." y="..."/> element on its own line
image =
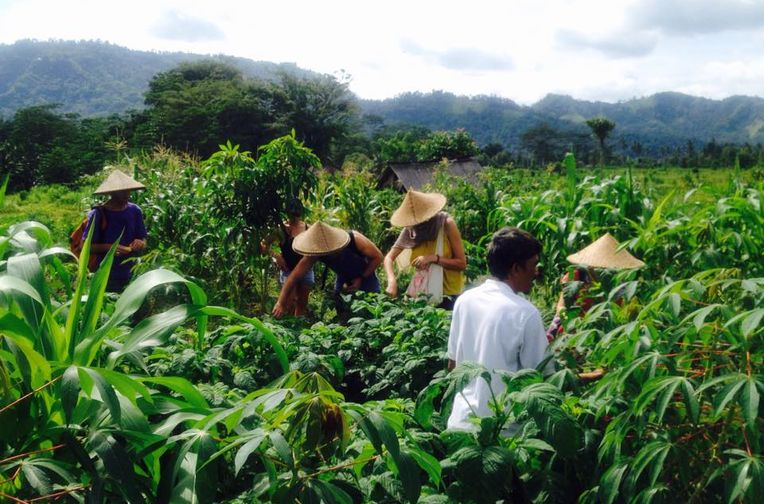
<point x="405" y="176"/>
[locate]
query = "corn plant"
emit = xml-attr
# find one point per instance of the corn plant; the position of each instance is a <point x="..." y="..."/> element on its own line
<point x="70" y="405"/>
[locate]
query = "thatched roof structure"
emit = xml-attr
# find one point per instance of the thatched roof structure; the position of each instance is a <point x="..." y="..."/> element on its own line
<point x="405" y="176"/>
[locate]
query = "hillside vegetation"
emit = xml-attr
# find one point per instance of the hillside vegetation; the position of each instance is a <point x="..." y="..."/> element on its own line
<point x="97" y="79"/>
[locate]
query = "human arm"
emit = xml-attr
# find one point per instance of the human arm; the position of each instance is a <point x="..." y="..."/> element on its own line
<point x="97" y="245"/>
<point x="299" y="271"/>
<point x="139" y="241"/>
<point x="457" y="261"/>
<point x="392" y="282"/>
<point x="265" y="248"/>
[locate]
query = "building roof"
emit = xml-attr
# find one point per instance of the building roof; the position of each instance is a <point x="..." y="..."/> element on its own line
<point x="417" y="175"/>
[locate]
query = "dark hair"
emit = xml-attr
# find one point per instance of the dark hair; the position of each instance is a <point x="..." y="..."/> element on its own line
<point x="510" y="246"/>
<point x="294" y="207"/>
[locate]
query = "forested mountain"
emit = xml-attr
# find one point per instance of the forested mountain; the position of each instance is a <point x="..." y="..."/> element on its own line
<point x="658" y="122"/>
<point x="96" y="78"/>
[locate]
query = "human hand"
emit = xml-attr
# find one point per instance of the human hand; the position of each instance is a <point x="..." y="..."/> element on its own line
<point x="123" y="250"/>
<point x="354" y="285"/>
<point x="422" y="262"/>
<point x="281" y="263"/>
<point x="392" y="288"/>
<point x="278" y="310"/>
<point x="138" y="244"/>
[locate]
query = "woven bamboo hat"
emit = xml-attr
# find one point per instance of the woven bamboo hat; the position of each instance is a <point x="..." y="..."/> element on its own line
<point x="118" y="181"/>
<point x="320" y="239"/>
<point x="604" y="253"/>
<point x="417" y="207"/>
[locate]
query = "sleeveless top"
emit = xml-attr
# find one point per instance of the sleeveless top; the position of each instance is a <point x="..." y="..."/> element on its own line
<point x="348" y="263"/>
<point x="453" y="280"/>
<point x="291" y="258"/>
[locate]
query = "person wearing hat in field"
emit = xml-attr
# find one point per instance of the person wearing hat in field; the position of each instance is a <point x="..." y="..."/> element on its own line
<point x="602" y="254"/>
<point x="124" y="221"/>
<point x="435" y="245"/>
<point x="352" y="257"/>
<point x="287" y="259"/>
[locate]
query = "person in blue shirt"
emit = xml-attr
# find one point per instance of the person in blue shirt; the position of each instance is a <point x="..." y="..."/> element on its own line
<point x="123" y="222"/>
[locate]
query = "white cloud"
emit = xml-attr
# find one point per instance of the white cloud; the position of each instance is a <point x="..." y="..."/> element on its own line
<point x="521" y="49"/>
<point x="692" y="17"/>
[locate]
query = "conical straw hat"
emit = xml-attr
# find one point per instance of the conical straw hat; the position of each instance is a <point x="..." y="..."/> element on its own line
<point x="417" y="207"/>
<point x="320" y="239"/>
<point x="604" y="253"/>
<point x="118" y="181"/>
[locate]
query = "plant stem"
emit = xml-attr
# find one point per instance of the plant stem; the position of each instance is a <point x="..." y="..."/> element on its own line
<point x="22" y="455"/>
<point x="341" y="466"/>
<point x="22" y="398"/>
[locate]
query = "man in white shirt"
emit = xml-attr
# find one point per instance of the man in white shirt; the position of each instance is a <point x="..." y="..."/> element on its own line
<point x="494" y="325"/>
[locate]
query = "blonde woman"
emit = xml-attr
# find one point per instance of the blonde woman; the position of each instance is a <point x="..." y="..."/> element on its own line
<point x="435" y="245"/>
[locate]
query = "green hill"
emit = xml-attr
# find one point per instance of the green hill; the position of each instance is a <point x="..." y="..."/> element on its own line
<point x="95" y="78"/>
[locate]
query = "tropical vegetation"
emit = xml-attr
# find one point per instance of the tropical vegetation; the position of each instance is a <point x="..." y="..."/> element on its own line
<point x="181" y="389"/>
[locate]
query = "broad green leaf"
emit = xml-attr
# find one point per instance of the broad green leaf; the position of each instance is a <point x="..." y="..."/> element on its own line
<point x="328" y="493"/>
<point x="699" y="316"/>
<point x="180" y="386"/>
<point x="664" y="388"/>
<point x="36" y="478"/>
<point x="611" y="482"/>
<point x="195" y="485"/>
<point x="408" y="473"/>
<point x="543" y="401"/>
<point x="10" y="324"/>
<point x="728" y="393"/>
<point x="34" y="367"/>
<point x="428" y="463"/>
<point x="267" y="334"/>
<point x="91" y="312"/>
<point x="73" y="318"/>
<point x="70" y="390"/>
<point x="105" y="391"/>
<point x="752" y="322"/>
<point x="247" y="449"/>
<point x="117" y="462"/>
<point x="652" y="455"/>
<point x="749" y="401"/>
<point x="154" y="331"/>
<point x="130" y="301"/>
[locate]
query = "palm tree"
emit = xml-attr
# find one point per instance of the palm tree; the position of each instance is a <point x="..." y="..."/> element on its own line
<point x="601" y="127"/>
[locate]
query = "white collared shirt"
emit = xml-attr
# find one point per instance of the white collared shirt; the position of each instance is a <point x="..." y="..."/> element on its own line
<point x="495" y="327"/>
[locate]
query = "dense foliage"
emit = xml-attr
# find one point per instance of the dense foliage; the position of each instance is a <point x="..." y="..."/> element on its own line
<point x="158" y="395"/>
<point x="66" y="108"/>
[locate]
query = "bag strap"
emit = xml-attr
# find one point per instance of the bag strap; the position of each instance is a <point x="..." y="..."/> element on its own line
<point x="439" y="241"/>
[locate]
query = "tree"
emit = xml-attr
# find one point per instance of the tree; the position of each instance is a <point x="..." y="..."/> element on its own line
<point x="540" y="142"/>
<point x="601" y="128"/>
<point x="322" y="111"/>
<point x="197" y="106"/>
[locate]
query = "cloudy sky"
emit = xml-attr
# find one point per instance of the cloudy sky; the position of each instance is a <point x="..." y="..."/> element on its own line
<point x="520" y="49"/>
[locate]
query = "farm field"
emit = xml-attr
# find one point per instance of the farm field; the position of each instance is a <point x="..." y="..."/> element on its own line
<point x="184" y="389"/>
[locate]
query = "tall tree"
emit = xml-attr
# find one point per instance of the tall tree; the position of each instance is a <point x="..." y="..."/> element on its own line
<point x="322" y="111"/>
<point x="601" y="128"/>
